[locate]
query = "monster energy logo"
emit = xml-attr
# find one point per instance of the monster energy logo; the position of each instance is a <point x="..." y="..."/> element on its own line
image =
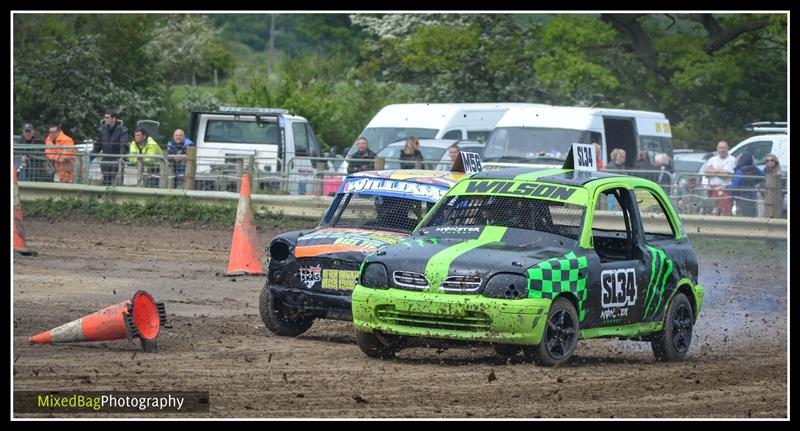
<point x="519" y="188"/>
<point x="660" y="270"/>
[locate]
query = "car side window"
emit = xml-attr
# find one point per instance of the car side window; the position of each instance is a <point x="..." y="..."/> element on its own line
<point x="655" y="221"/>
<point x="453" y="134"/>
<point x="613" y="229"/>
<point x="478" y="135"/>
<point x="300" y="139"/>
<point x="759" y="150"/>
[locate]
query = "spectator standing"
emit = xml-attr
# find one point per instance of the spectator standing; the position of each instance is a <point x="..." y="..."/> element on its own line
<point x="664" y="177"/>
<point x="617" y="159"/>
<point x="411" y="152"/>
<point x="112" y="139"/>
<point x="598" y="157"/>
<point x="746" y="177"/>
<point x="454" y="151"/>
<point x="720" y="164"/>
<point x="617" y="163"/>
<point x="143" y="143"/>
<point x="692" y="199"/>
<point x="363" y="153"/>
<point x="643" y="164"/>
<point x="773" y="166"/>
<point x="177" y="147"/>
<point x="63" y="159"/>
<point x="34" y="166"/>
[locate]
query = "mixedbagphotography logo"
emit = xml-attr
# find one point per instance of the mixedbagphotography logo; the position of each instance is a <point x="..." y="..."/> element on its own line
<point x="110" y="402"/>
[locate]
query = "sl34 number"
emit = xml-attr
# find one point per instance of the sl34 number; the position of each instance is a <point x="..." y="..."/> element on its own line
<point x="619" y="287"/>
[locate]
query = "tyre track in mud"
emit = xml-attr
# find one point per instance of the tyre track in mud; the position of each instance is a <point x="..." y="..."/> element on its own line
<point x="737" y="365"/>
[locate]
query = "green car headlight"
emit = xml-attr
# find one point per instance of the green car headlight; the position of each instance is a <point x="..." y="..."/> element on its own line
<point x="375" y="276"/>
<point x="506" y="286"/>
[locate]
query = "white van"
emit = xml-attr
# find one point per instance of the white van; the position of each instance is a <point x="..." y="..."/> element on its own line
<point x="761" y="145"/>
<point x="543" y="134"/>
<point x="471" y="121"/>
<point x="273" y="136"/>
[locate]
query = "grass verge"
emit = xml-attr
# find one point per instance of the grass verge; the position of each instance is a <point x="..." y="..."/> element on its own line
<point x="167" y="210"/>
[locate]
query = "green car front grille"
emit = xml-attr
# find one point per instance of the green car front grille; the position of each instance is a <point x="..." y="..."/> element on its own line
<point x="472" y="321"/>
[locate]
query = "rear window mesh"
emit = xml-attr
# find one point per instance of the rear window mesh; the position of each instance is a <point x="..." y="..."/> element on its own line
<point x="372" y="211"/>
<point x="514" y="212"/>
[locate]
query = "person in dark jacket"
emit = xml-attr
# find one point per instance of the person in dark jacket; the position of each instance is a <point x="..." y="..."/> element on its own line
<point x="33" y="166"/>
<point x="363" y="153"/>
<point x="746" y="177"/>
<point x="113" y="138"/>
<point x="643" y="164"/>
<point x="411" y="152"/>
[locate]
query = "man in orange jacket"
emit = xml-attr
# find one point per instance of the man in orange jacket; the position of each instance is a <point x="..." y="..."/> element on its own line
<point x="63" y="159"/>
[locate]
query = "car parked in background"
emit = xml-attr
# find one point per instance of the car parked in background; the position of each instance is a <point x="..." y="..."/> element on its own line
<point x="434" y="152"/>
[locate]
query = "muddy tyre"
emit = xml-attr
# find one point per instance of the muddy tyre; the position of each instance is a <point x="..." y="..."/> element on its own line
<point x="277" y="318"/>
<point x="376" y="346"/>
<point x="506" y="350"/>
<point x="560" y="335"/>
<point x="672" y="343"/>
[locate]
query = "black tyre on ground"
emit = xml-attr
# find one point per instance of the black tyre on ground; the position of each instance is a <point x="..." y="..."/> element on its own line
<point x="560" y="335"/>
<point x="376" y="346"/>
<point x="277" y="318"/>
<point x="506" y="350"/>
<point x="672" y="343"/>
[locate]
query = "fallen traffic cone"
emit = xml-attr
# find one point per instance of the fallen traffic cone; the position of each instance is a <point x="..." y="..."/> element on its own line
<point x="19" y="228"/>
<point x="140" y="316"/>
<point x="245" y="258"/>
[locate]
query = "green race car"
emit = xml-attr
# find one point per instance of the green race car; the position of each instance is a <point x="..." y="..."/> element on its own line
<point x="532" y="261"/>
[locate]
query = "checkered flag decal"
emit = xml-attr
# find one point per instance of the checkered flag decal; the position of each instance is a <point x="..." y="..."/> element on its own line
<point x="565" y="274"/>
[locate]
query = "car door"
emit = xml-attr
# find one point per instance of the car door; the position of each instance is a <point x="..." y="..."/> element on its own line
<point x="615" y="294"/>
<point x="661" y="249"/>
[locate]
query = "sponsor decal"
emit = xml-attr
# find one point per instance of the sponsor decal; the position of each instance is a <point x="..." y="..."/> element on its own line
<point x="518" y="188"/>
<point x="420" y="242"/>
<point x="457" y="229"/>
<point x="660" y="271"/>
<point x="310" y="275"/>
<point x="364" y="239"/>
<point x="394" y="187"/>
<point x="339" y="279"/>
<point x="618" y="292"/>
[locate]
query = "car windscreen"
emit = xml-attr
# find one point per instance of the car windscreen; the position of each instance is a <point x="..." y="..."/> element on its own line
<point x="371" y="211"/>
<point x="532" y="143"/>
<point x="242" y="132"/>
<point x="558" y="218"/>
<point x="380" y="137"/>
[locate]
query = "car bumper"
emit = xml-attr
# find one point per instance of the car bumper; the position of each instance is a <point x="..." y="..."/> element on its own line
<point x="325" y="305"/>
<point x="450" y="316"/>
<point x="699" y="293"/>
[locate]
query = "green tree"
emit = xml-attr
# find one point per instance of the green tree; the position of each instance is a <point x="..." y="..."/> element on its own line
<point x="69" y="68"/>
<point x="180" y="42"/>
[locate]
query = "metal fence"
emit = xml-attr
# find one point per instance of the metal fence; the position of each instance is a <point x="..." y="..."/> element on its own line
<point x="322" y="176"/>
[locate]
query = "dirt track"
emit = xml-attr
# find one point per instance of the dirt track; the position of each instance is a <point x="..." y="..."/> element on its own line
<point x="737" y="365"/>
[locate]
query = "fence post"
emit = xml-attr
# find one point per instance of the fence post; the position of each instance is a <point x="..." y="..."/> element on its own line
<point x="417" y="164"/>
<point x="772" y="201"/>
<point x="164" y="171"/>
<point x="379" y="163"/>
<point x="319" y="189"/>
<point x="139" y="172"/>
<point x="251" y="169"/>
<point x="190" y="167"/>
<point x="239" y="172"/>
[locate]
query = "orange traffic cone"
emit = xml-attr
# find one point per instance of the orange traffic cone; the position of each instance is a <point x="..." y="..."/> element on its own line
<point x="19" y="228"/>
<point x="245" y="258"/>
<point x="140" y="316"/>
